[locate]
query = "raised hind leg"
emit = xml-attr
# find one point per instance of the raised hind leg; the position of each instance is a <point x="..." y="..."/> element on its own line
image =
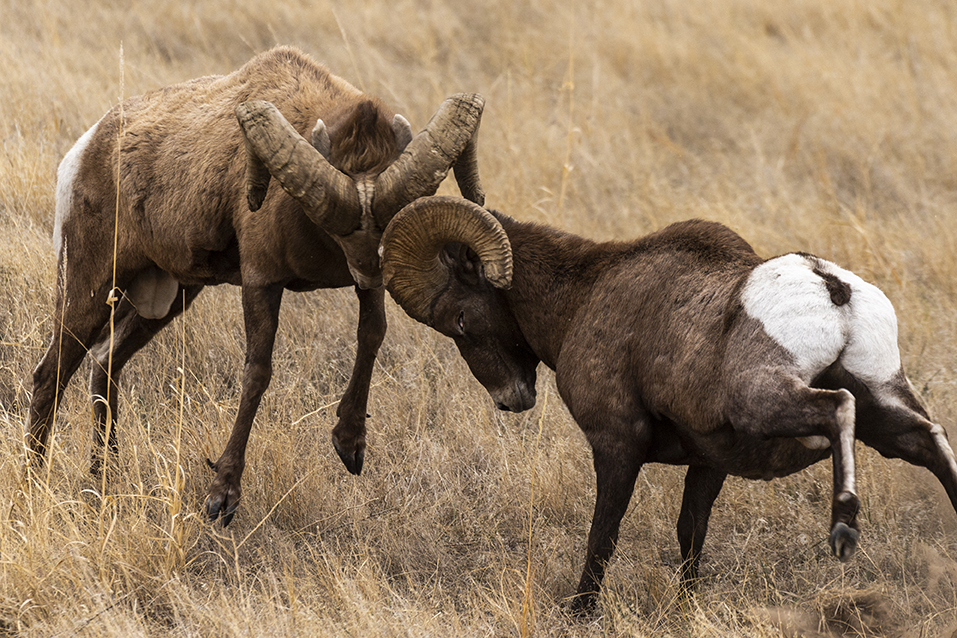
<point x="129" y="334"/>
<point x="779" y="404"/>
<point x="896" y="425"/>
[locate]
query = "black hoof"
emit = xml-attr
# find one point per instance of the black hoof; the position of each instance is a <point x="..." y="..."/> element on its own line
<point x="215" y="510"/>
<point x="352" y="461"/>
<point x="583" y="606"/>
<point x="689" y="579"/>
<point x="844" y="541"/>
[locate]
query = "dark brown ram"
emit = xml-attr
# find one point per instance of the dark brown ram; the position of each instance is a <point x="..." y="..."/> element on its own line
<point x="191" y="209"/>
<point x="682" y="347"/>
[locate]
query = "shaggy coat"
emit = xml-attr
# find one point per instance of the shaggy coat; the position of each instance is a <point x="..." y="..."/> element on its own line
<point x="163" y="178"/>
<point x="682" y="347"/>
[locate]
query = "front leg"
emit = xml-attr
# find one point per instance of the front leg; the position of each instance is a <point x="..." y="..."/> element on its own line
<point x="261" y="318"/>
<point x="349" y="435"/>
<point x="618" y="450"/>
<point x="593" y="381"/>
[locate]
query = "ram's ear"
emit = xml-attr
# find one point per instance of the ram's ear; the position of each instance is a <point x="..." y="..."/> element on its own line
<point x="463" y="263"/>
<point x="416" y="260"/>
<point x="402" y="131"/>
<point x="321" y="140"/>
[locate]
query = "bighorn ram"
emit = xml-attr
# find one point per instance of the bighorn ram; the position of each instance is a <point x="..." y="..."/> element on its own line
<point x="681" y="347"/>
<point x="171" y="179"/>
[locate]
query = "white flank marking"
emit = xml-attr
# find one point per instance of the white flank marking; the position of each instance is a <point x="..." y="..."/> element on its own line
<point x="871" y="353"/>
<point x="793" y="305"/>
<point x="65" y="177"/>
<point x="795" y="308"/>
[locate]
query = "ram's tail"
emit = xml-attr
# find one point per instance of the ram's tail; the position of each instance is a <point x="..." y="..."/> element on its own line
<point x="840" y="291"/>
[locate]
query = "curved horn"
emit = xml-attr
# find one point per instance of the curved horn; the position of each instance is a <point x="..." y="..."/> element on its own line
<point x="274" y="147"/>
<point x="448" y="140"/>
<point x="413" y="241"/>
<point x="466" y="171"/>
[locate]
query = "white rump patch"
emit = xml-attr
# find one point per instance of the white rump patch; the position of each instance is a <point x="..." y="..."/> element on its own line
<point x="152" y="293"/>
<point x="65" y="177"/>
<point x="795" y="308"/>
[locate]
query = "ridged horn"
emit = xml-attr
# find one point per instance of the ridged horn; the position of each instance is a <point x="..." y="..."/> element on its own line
<point x="412" y="271"/>
<point x="274" y="147"/>
<point x="448" y="140"/>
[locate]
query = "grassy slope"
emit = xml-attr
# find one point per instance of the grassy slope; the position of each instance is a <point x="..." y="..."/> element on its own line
<point x="814" y="125"/>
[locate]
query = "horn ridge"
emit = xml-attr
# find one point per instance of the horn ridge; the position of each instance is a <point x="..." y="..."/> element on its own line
<point x="414" y="239"/>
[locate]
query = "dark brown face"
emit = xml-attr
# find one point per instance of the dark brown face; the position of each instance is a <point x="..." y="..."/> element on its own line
<point x="360" y="248"/>
<point x="477" y="317"/>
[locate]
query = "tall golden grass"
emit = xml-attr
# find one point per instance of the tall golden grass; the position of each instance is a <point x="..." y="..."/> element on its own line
<point x="812" y="125"/>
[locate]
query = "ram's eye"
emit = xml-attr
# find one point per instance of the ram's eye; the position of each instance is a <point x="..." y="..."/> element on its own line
<point x="460" y="322"/>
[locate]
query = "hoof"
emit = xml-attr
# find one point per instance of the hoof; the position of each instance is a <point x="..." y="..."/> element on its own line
<point x="100" y="470"/>
<point x="583" y="606"/>
<point x="689" y="578"/>
<point x="222" y="499"/>
<point x="215" y="509"/>
<point x="844" y="541"/>
<point x="352" y="460"/>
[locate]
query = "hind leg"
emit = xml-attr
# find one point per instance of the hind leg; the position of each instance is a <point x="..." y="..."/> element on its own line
<point x="778" y="404"/>
<point x="129" y="334"/>
<point x="896" y="425"/>
<point x="702" y="486"/>
<point x="81" y="311"/>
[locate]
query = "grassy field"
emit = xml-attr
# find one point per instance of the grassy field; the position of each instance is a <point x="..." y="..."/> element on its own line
<point x="828" y="127"/>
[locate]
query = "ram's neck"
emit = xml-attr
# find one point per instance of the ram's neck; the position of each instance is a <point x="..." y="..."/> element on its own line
<point x="554" y="273"/>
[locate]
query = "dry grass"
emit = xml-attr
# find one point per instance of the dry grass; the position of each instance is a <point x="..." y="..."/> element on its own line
<point x="805" y="125"/>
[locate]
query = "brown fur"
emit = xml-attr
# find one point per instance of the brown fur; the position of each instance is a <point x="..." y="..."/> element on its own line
<point x="364" y="142"/>
<point x="183" y="212"/>
<point x="182" y="152"/>
<point x="657" y="361"/>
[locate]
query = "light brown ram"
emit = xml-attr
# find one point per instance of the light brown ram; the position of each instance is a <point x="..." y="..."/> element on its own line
<point x="179" y="177"/>
<point x="682" y="347"/>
